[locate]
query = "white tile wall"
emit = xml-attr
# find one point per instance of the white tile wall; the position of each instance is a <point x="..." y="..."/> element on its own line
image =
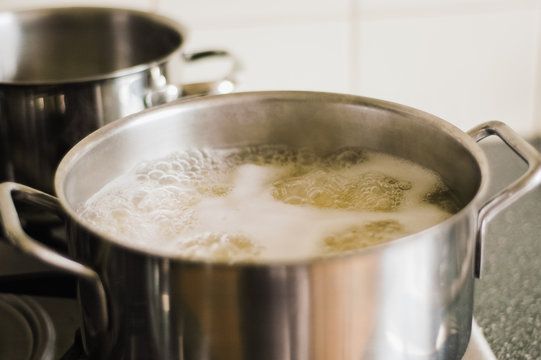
<point x="466" y="68"/>
<point x="465" y="61"/>
<point x="312" y="56"/>
<point x="233" y="13"/>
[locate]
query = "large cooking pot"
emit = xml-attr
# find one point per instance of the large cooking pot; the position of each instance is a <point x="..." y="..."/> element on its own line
<point x="406" y="299"/>
<point x="64" y="72"/>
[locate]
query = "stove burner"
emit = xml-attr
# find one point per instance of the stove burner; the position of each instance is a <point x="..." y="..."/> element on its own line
<point x="27" y="331"/>
<point x="50" y="231"/>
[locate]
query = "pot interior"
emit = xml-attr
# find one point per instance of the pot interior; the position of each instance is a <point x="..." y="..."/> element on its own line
<point x="69" y="44"/>
<point x="317" y="121"/>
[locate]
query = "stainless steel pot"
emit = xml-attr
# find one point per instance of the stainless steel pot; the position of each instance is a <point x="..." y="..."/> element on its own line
<point x="64" y="72"/>
<point x="407" y="299"/>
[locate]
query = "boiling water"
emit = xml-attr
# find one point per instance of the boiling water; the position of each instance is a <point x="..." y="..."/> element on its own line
<point x="269" y="203"/>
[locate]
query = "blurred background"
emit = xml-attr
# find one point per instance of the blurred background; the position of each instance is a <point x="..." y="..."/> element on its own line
<point x="464" y="61"/>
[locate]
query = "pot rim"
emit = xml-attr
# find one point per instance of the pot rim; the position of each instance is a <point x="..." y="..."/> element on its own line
<point x="102" y="134"/>
<point x="134" y="69"/>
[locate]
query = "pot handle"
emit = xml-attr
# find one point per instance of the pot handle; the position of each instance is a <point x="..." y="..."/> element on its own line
<point x="529" y="180"/>
<point x="9" y="219"/>
<point x="225" y="85"/>
<point x="164" y="93"/>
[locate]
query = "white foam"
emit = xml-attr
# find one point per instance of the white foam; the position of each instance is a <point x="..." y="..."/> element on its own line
<point x="222" y="205"/>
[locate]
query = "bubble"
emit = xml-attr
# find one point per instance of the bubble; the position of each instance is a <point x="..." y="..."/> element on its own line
<point x="163" y="166"/>
<point x="346" y="157"/>
<point x="443" y="197"/>
<point x="367" y="191"/>
<point x="143" y="168"/>
<point x="156" y="174"/>
<point x="221" y="247"/>
<point x="142" y="177"/>
<point x="354" y="238"/>
<point x="168" y="180"/>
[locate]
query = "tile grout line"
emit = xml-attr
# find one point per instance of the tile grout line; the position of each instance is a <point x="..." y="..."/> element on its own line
<point x="536" y="108"/>
<point x="354" y="46"/>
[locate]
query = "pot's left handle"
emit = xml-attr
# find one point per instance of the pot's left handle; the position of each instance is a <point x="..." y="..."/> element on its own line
<point x="15" y="234"/>
<point x="528" y="181"/>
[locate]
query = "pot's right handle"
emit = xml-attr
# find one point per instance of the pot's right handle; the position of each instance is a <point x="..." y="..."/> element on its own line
<point x="163" y="92"/>
<point x="15" y="234"/>
<point x="529" y="180"/>
<point x="222" y="86"/>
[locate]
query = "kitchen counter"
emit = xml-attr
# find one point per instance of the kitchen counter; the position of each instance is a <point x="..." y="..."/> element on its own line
<point x="508" y="295"/>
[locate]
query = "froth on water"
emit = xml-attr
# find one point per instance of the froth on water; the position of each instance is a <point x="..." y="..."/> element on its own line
<point x="269" y="203"/>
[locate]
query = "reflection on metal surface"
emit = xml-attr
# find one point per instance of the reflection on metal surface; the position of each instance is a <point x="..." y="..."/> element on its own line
<point x="10" y="39"/>
<point x="478" y="348"/>
<point x="165" y="303"/>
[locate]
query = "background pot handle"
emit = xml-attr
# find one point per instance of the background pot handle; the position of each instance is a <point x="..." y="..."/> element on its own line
<point x="164" y="93"/>
<point x="529" y="180"/>
<point x="15" y="234"/>
<point x="225" y="85"/>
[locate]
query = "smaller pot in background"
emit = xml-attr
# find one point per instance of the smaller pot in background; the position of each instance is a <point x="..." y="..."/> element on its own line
<point x="65" y="72"/>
